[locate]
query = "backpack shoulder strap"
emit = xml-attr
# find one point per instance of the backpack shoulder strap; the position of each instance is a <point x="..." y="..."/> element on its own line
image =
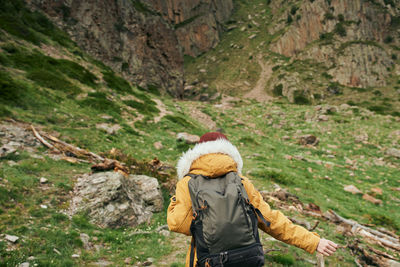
<point x="192" y="252"/>
<point x="259" y="215"/>
<point x="191" y="175"/>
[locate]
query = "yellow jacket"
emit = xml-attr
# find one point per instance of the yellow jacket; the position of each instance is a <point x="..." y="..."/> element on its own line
<point x="179" y="217"/>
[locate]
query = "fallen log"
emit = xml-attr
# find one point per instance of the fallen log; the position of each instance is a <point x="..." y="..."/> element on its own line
<point x="41" y="139"/>
<point x="109" y="165"/>
<point x="375" y="236"/>
<point x="65" y="147"/>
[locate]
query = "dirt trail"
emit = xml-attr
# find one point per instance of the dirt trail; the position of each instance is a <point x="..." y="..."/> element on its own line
<point x="180" y="243"/>
<point x="258" y="93"/>
<point x="163" y="110"/>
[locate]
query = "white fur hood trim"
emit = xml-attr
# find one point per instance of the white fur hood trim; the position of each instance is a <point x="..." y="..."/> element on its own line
<point x="218" y="146"/>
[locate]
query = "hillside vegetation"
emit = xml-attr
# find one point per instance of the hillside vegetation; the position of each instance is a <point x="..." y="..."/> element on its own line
<point x="46" y="80"/>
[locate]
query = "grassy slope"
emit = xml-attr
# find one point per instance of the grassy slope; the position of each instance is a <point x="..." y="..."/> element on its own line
<point x="233" y="62"/>
<point x="73" y="103"/>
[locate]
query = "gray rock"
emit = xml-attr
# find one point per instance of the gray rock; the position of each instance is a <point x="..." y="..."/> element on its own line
<point x="12" y="163"/>
<point x="24" y="264"/>
<point x="102" y="263"/>
<point x="6" y="150"/>
<point x="165" y="233"/>
<point x="393" y="152"/>
<point x="85" y="240"/>
<point x="110" y="129"/>
<point x="106" y="117"/>
<point x="12" y="238"/>
<point x="188" y="138"/>
<point x="112" y="200"/>
<point x="43" y="180"/>
<point x="158" y="145"/>
<point x="323" y="118"/>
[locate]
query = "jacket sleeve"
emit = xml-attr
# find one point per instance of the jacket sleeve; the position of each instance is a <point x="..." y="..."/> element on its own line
<point x="179" y="214"/>
<point x="281" y="227"/>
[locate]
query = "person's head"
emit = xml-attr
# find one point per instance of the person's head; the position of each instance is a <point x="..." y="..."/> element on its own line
<point x="212" y="136"/>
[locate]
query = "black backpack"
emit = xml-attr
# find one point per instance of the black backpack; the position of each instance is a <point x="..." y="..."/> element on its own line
<point x="224" y="226"/>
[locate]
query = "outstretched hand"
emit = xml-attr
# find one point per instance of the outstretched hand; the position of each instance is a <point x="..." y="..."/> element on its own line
<point x="326" y="247"/>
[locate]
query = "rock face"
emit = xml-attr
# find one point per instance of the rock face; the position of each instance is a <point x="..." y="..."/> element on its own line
<point x="347" y="36"/>
<point x="125" y="35"/>
<point x="141" y="39"/>
<point x="198" y="23"/>
<point x="112" y="200"/>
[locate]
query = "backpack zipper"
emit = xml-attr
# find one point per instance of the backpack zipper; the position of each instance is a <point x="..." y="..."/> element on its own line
<point x="223" y="257"/>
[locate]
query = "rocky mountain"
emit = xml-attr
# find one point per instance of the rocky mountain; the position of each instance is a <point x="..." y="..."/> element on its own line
<point x="143" y="40"/>
<point x="309" y="52"/>
<point x="353" y="39"/>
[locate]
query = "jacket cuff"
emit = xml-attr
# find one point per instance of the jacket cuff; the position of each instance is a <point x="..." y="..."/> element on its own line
<point x="315" y="241"/>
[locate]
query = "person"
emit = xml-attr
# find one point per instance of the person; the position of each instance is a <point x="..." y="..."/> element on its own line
<point x="213" y="157"/>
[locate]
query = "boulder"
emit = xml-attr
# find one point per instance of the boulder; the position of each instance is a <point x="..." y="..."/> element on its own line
<point x="12" y="238"/>
<point x="188" y="138"/>
<point x="112" y="200"/>
<point x="6" y="150"/>
<point x="393" y="152"/>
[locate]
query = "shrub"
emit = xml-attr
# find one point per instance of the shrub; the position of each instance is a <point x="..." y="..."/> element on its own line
<point x="377" y="109"/>
<point x="329" y="16"/>
<point x="325" y="36"/>
<point x="276" y="67"/>
<point x="125" y="67"/>
<point x="277" y="91"/>
<point x="334" y="89"/>
<point x="340" y="29"/>
<point x="293" y="10"/>
<point x="300" y="98"/>
<point x="388" y="39"/>
<point x="377" y="93"/>
<point x="289" y="19"/>
<point x="327" y="75"/>
<point x="341" y="17"/>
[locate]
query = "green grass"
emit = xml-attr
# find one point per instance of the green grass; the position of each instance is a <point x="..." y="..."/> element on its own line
<point x="53" y="81"/>
<point x="66" y="98"/>
<point x="18" y="20"/>
<point x="116" y="83"/>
